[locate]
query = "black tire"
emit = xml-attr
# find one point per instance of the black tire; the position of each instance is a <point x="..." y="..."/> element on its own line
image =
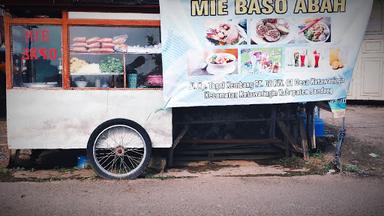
<point x="103" y="149"/>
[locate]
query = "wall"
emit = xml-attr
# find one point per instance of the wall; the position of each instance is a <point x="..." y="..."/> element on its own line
<point x="368" y="76"/>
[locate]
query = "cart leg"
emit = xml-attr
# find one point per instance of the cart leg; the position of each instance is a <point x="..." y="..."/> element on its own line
<point x="309" y="109"/>
<point x="170" y="157"/>
<point x="174" y="145"/>
<point x="5" y="156"/>
<point x="288" y="152"/>
<point x="304" y="139"/>
<point x="339" y="144"/>
<point x="272" y="128"/>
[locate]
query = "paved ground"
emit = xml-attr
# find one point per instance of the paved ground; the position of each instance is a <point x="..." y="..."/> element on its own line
<point x="305" y="195"/>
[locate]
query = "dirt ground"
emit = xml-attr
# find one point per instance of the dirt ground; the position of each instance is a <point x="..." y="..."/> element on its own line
<point x="363" y="150"/>
<point x="289" y="186"/>
<point x="362" y="154"/>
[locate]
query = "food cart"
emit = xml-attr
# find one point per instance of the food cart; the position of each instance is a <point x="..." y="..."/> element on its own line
<point x="94" y="80"/>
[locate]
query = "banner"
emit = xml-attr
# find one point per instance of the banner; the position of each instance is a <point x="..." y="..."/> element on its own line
<point x="223" y="52"/>
<point x="338" y="107"/>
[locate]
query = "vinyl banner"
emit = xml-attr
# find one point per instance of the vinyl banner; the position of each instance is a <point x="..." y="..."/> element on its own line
<point x="228" y="52"/>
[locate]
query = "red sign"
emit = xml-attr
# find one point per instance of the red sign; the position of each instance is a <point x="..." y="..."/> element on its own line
<point x="34" y="53"/>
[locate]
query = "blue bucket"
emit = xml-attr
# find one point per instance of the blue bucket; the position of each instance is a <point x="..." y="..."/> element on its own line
<point x="82" y="162"/>
<point x="319" y="126"/>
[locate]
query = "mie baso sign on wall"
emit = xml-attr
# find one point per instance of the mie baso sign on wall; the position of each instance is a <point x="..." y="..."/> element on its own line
<point x="223" y="52"/>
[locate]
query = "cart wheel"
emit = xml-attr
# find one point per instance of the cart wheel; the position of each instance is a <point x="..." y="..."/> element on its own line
<point x="119" y="149"/>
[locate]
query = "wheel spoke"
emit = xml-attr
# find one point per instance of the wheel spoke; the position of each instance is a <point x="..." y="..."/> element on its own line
<point x="103" y="143"/>
<point x="140" y="152"/>
<point x="123" y="136"/>
<point x="106" y="159"/>
<point x="131" y="162"/>
<point x="104" y="156"/>
<point x="110" y="136"/>
<point x="113" y="164"/>
<point x="113" y="137"/>
<point x="120" y="163"/>
<point x="102" y="163"/>
<point x="137" y="158"/>
<point x="137" y="162"/>
<point x="126" y="166"/>
<point x="109" y="164"/>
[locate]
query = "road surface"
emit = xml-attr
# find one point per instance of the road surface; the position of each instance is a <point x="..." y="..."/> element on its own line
<point x="303" y="195"/>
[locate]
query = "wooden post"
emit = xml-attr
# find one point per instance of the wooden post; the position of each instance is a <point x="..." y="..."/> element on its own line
<point x="304" y="140"/>
<point x="272" y="129"/>
<point x="296" y="131"/>
<point x="313" y="128"/>
<point x="289" y="140"/>
<point x="311" y="125"/>
<point x="65" y="52"/>
<point x="287" y="147"/>
<point x="8" y="57"/>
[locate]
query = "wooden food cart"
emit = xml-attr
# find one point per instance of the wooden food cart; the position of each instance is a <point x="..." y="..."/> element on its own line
<point x="58" y="98"/>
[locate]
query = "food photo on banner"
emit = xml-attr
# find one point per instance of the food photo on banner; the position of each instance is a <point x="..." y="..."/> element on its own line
<point x="259" y="52"/>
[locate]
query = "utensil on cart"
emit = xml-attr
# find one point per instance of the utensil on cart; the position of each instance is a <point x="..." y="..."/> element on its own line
<point x="310" y="24"/>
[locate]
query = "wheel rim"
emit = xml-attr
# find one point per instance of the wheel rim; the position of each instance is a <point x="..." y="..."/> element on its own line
<point x="119" y="150"/>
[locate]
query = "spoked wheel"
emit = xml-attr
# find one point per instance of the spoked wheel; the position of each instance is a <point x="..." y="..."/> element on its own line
<point x="119" y="149"/>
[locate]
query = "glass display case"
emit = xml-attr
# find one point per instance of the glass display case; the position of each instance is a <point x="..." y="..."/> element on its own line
<point x="36" y="56"/>
<point x="84" y="52"/>
<point x="115" y="57"/>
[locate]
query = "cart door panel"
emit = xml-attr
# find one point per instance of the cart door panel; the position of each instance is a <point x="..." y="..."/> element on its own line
<point x="52" y="119"/>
